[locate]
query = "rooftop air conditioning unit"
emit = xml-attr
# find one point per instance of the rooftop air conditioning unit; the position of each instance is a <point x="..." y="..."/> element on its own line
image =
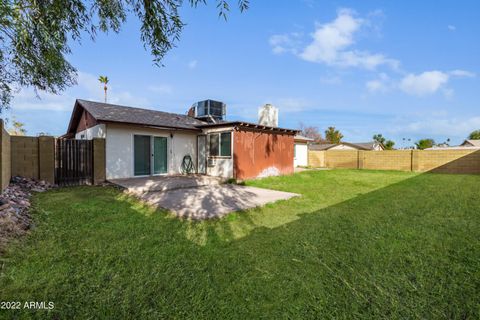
<point x="210" y="110"/>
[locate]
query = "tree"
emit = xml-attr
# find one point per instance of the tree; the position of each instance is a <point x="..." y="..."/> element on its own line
<point x="425" y="143"/>
<point x="389" y="144"/>
<point x="332" y="135"/>
<point x="311" y="132"/>
<point x="35" y="36"/>
<point x="104" y="80"/>
<point x="379" y="138"/>
<point x="17" y="128"/>
<point x="475" y="135"/>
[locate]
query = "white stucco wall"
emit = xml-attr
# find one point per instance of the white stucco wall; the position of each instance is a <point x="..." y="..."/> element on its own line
<point x="301" y="155"/>
<point x="97" y="131"/>
<point x="119" y="148"/>
<point x="223" y="166"/>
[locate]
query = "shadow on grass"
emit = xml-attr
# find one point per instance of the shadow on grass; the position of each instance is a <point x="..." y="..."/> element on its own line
<point x="407" y="249"/>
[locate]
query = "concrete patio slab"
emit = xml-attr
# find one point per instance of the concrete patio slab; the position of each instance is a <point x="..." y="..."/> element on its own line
<point x="165" y="183"/>
<point x="213" y="201"/>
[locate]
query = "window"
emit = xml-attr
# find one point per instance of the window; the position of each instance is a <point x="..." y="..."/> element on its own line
<point x="226" y="144"/>
<point x="220" y="144"/>
<point x="214" y="144"/>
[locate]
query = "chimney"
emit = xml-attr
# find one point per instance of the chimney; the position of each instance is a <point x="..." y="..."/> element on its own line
<point x="268" y="115"/>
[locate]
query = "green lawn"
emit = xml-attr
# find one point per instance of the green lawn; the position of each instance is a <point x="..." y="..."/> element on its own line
<point x="357" y="244"/>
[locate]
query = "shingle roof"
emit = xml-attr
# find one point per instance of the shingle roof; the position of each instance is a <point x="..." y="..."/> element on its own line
<point x="357" y="145"/>
<point x="366" y="145"/>
<point x="473" y="142"/>
<point x="321" y="147"/>
<point x="116" y="113"/>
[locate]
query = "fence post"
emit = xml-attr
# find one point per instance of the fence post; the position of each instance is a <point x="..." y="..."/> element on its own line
<point x="46" y="158"/>
<point x="415" y="163"/>
<point x="5" y="157"/>
<point x="99" y="163"/>
<point x="361" y="158"/>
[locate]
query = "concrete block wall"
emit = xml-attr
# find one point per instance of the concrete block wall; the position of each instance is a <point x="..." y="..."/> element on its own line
<point x="449" y="161"/>
<point x="46" y="159"/>
<point x="386" y="160"/>
<point x="444" y="161"/>
<point x="347" y="159"/>
<point x="33" y="157"/>
<point x="25" y="159"/>
<point x="316" y="159"/>
<point x="99" y="161"/>
<point x="5" y="160"/>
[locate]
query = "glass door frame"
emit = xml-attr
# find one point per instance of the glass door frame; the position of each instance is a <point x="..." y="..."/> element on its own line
<point x="152" y="144"/>
<point x="204" y="137"/>
<point x="152" y="152"/>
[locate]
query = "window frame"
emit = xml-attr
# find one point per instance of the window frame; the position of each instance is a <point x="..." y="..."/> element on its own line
<point x="219" y="134"/>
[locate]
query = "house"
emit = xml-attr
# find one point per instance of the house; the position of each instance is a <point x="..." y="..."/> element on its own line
<point x="467" y="144"/>
<point x="143" y="142"/>
<point x="300" y="152"/>
<point x="471" y="143"/>
<point x="372" y="146"/>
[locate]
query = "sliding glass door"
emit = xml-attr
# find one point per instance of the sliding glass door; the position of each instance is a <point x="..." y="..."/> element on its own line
<point x="159" y="155"/>
<point x="150" y="155"/>
<point x="142" y="155"/>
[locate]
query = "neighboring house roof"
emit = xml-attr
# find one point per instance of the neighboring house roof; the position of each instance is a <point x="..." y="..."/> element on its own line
<point x="471" y="143"/>
<point x="301" y="138"/>
<point x="105" y="112"/>
<point x="453" y="148"/>
<point x="356" y="145"/>
<point x="467" y="144"/>
<point x="368" y="145"/>
<point x="321" y="147"/>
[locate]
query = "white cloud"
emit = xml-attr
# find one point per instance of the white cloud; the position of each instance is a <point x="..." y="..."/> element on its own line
<point x="192" y="64"/>
<point x="286" y="105"/>
<point x="331" y="80"/>
<point x="26" y="99"/>
<point x="462" y="74"/>
<point x="424" y="83"/>
<point x="332" y="44"/>
<point x="382" y="84"/>
<point x="451" y="27"/>
<point x="289" y="42"/>
<point x="448" y="127"/>
<point x="88" y="87"/>
<point x="161" y="89"/>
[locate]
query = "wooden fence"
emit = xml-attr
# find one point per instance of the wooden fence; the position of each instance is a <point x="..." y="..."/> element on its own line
<point x="444" y="161"/>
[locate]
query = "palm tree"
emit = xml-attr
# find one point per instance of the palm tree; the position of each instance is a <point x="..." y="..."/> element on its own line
<point x="104" y="80"/>
<point x="333" y="136"/>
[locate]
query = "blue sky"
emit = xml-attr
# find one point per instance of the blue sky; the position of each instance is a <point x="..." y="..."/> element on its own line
<point x="406" y="69"/>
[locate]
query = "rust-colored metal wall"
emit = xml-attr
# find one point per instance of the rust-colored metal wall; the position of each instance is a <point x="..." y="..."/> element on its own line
<point x="261" y="153"/>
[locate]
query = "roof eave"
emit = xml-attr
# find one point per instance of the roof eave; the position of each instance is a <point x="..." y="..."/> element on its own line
<point x="150" y="125"/>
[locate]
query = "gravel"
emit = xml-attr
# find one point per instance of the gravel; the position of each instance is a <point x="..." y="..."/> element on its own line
<point x="15" y="218"/>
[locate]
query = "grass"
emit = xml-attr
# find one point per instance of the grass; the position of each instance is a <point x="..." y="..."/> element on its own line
<point x="357" y="244"/>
